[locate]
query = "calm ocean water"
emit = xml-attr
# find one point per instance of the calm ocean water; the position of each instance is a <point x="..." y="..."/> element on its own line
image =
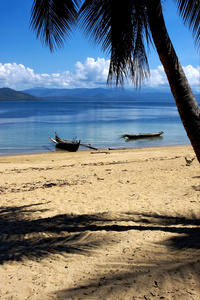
<point x="26" y="126"/>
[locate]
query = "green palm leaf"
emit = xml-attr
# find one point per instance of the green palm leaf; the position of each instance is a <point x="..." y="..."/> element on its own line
<point x="122" y="30"/>
<point x="189" y="10"/>
<point x="54" y="20"/>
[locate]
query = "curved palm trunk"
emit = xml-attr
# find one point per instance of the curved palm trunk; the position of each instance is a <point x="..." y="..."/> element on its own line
<point x="186" y="103"/>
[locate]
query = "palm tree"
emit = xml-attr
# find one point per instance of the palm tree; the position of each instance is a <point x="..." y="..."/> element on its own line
<point x="125" y="30"/>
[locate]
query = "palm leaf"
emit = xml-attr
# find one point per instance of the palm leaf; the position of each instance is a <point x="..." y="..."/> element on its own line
<point x="121" y="29"/>
<point x="189" y="10"/>
<point x="54" y="20"/>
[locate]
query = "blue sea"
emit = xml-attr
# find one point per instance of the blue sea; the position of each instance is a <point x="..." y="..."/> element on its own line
<point x="25" y="126"/>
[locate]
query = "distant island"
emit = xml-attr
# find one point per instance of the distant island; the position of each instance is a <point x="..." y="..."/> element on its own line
<point x="99" y="94"/>
<point x="7" y="94"/>
<point x="86" y="94"/>
<point x="82" y="94"/>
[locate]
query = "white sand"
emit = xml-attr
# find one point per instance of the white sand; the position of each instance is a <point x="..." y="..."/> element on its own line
<point x="121" y="224"/>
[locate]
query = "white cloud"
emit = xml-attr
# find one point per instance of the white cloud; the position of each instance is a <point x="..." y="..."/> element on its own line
<point x="158" y="77"/>
<point x="193" y="76"/>
<point x="91" y="73"/>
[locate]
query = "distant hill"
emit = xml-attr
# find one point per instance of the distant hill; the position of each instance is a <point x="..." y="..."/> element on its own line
<point x="7" y="94"/>
<point x="74" y="93"/>
<point x="104" y="94"/>
<point x="100" y="94"/>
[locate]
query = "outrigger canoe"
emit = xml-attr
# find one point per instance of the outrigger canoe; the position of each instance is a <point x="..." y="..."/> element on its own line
<point x="142" y="135"/>
<point x="71" y="146"/>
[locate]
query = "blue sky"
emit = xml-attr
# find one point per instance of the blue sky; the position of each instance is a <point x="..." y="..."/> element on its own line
<point x="26" y="63"/>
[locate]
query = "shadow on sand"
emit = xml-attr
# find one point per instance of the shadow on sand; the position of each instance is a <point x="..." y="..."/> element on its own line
<point x="22" y="236"/>
<point x="56" y="233"/>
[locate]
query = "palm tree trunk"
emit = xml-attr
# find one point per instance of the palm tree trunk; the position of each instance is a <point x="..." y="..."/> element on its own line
<point x="186" y="103"/>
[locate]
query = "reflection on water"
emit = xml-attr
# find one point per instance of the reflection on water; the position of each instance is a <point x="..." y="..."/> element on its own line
<point x="149" y="139"/>
<point x="25" y="127"/>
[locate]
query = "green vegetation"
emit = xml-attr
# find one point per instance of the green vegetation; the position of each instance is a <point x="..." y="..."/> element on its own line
<point x="7" y="94"/>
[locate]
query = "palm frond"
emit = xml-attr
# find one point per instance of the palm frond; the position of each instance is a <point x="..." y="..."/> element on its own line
<point x="121" y="29"/>
<point x="54" y="20"/>
<point x="189" y="10"/>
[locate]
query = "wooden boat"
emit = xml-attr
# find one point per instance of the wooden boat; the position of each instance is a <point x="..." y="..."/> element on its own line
<point x="71" y="146"/>
<point x="141" y="135"/>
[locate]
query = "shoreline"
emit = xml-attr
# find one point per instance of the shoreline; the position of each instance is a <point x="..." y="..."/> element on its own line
<point x="106" y="224"/>
<point x="99" y="149"/>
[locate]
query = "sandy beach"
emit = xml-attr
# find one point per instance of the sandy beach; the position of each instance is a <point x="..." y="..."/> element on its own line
<point x="117" y="224"/>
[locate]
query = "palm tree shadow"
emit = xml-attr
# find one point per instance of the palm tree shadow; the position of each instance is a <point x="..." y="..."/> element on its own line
<point x="187" y="237"/>
<point x="188" y="229"/>
<point x="22" y="236"/>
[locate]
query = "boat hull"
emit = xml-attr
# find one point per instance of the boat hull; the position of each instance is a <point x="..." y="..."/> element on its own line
<point x="142" y="135"/>
<point x="71" y="147"/>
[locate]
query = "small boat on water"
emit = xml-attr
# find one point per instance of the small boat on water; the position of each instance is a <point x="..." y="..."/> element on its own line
<point x="142" y="135"/>
<point x="71" y="146"/>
